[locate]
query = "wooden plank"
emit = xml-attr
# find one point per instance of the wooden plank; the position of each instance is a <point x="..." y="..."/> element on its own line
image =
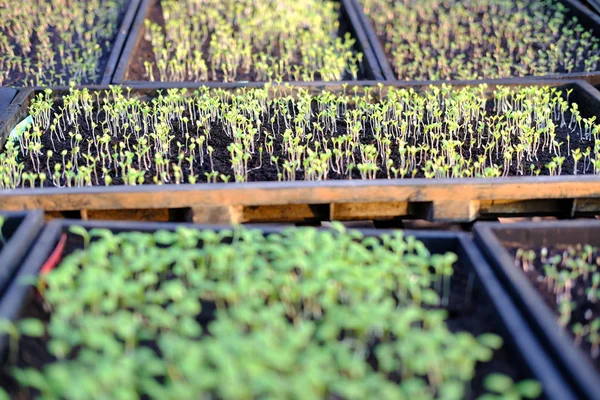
<point x="156" y="215"/>
<point x="367" y="211"/>
<point x="583" y="206"/>
<point x="273" y="193"/>
<point x="286" y="213"/>
<point x="217" y="214"/>
<point x="50" y="215"/>
<point x="455" y="210"/>
<point x="526" y="207"/>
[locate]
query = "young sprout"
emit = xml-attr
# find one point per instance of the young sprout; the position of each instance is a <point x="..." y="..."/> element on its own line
<point x="503" y="387"/>
<point x="285" y="133"/>
<point x="249" y="41"/>
<point x="571" y="278"/>
<point x="454" y="39"/>
<point x="57" y="42"/>
<point x="178" y="313"/>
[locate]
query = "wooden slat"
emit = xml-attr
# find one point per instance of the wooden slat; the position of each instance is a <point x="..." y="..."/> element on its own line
<point x="271" y="193"/>
<point x="527" y="207"/>
<point x="586" y="206"/>
<point x="157" y="215"/>
<point x="368" y="211"/>
<point x="454" y="210"/>
<point x="286" y="213"/>
<point x="217" y="214"/>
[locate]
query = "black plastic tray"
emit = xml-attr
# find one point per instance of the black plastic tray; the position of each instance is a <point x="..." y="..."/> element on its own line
<point x="370" y="66"/>
<point x="117" y="46"/>
<point x="20" y="230"/>
<point x="575" y="365"/>
<point x="587" y="18"/>
<point x="522" y="345"/>
<point x="6" y="97"/>
<point x="594" y="4"/>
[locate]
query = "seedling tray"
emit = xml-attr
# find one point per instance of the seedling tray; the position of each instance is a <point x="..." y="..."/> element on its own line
<point x="492" y="239"/>
<point x="521" y="350"/>
<point x="369" y="68"/>
<point x="586" y="17"/>
<point x="19" y="231"/>
<point x="119" y="41"/>
<point x="461" y="200"/>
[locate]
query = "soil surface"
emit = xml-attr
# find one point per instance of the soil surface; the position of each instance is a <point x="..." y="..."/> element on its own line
<point x="584" y="311"/>
<point x="136" y="71"/>
<point x="469" y="309"/>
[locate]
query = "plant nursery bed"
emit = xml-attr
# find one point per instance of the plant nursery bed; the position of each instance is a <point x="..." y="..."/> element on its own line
<point x="307" y="151"/>
<point x="551" y="270"/>
<point x="283" y="313"/>
<point x="467" y="40"/>
<point x="18" y="231"/>
<point x="49" y="43"/>
<point x="229" y="41"/>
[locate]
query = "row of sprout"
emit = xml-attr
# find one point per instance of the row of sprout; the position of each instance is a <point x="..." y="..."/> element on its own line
<point x="112" y="136"/>
<point x="60" y="41"/>
<point x="55" y="42"/>
<point x="261" y="40"/>
<point x="571" y="275"/>
<point x="474" y="39"/>
<point x="302" y="314"/>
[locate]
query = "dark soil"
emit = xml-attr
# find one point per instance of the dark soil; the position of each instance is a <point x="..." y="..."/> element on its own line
<point x="265" y="170"/>
<point x="579" y="296"/>
<point x="17" y="78"/>
<point x="136" y="71"/>
<point x="469" y="309"/>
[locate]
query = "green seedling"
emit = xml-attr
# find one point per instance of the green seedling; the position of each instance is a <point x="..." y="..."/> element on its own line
<point x="455" y="39"/>
<point x="298" y="314"/>
<point x="440" y="132"/>
<point x="56" y="42"/>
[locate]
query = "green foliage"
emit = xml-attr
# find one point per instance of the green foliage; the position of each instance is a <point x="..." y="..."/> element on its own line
<point x="31" y="327"/>
<point x="220" y="135"/>
<point x="303" y="314"/>
<point x="56" y="42"/>
<point x="505" y="388"/>
<point x="474" y="39"/>
<point x="262" y="40"/>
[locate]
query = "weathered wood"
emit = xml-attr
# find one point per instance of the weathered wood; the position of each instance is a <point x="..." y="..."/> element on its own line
<point x="368" y="211"/>
<point x="156" y="215"/>
<point x="217" y="214"/>
<point x="527" y="207"/>
<point x="286" y="213"/>
<point x="583" y="206"/>
<point x="351" y="200"/>
<point x="454" y="210"/>
<point x="50" y="215"/>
